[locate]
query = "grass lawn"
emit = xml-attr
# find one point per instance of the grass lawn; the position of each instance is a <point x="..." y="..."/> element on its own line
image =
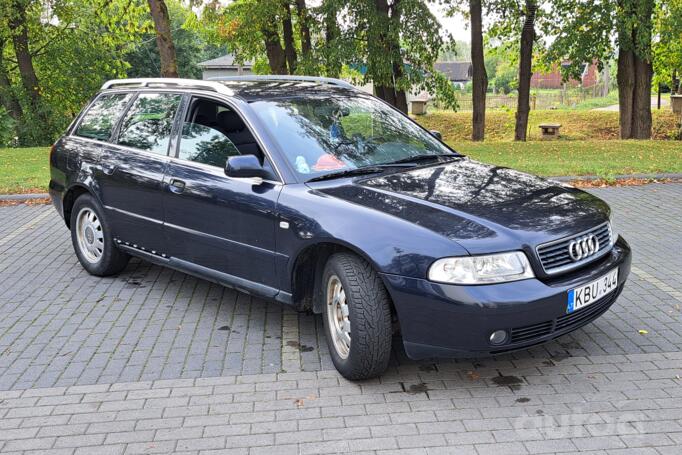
<point x="24" y="170"/>
<point x="605" y="158"/>
<point x="575" y="124"/>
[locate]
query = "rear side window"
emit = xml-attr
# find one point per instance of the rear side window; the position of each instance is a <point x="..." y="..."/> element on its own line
<point x="148" y="123"/>
<point x="98" y="122"/>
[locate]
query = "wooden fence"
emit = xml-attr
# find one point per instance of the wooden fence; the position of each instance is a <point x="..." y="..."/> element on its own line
<point x="541" y="100"/>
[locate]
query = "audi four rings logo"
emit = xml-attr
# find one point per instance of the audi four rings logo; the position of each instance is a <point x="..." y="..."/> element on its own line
<point x="583" y="247"/>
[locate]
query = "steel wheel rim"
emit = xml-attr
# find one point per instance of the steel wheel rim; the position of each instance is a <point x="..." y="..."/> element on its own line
<point x="90" y="235"/>
<point x="337" y="316"/>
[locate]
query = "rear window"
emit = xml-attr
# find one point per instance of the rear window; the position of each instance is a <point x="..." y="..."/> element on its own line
<point x="98" y="122"/>
<point x="148" y="123"/>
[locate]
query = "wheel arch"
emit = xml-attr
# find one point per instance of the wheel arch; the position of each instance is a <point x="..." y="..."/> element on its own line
<point x="307" y="269"/>
<point x="73" y="193"/>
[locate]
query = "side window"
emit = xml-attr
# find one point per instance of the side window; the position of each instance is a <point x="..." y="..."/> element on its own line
<point x="98" y="122"/>
<point x="212" y="132"/>
<point x="203" y="144"/>
<point x="148" y="123"/>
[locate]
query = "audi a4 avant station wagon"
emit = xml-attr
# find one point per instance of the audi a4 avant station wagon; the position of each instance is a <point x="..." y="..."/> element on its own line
<point x="309" y="192"/>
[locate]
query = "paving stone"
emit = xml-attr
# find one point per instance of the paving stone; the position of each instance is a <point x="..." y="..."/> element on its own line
<point x="155" y="361"/>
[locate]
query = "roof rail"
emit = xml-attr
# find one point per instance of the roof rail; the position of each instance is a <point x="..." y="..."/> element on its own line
<point x="164" y="82"/>
<point x="274" y="77"/>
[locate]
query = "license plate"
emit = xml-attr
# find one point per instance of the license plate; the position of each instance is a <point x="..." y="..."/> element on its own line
<point x="591" y="292"/>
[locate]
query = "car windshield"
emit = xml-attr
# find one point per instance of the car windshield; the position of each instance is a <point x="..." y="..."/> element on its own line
<point x="336" y="133"/>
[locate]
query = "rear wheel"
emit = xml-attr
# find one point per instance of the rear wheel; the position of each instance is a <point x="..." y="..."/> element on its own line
<point x="92" y="239"/>
<point x="357" y="317"/>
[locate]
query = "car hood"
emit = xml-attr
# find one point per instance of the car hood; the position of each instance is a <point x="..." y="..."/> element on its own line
<point x="484" y="208"/>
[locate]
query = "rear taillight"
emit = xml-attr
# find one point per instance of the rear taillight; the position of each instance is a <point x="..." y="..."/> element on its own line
<point x="52" y="149"/>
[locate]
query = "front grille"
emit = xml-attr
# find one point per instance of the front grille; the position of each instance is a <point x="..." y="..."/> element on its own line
<point x="569" y="321"/>
<point x="554" y="255"/>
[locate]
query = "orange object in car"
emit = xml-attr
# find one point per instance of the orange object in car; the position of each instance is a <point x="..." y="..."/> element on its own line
<point x="328" y="162"/>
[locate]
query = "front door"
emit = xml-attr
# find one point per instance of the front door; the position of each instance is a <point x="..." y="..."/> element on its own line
<point x="220" y="223"/>
<point x="133" y="170"/>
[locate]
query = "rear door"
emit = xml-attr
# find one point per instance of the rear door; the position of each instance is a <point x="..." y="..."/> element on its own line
<point x="133" y="169"/>
<point x="211" y="220"/>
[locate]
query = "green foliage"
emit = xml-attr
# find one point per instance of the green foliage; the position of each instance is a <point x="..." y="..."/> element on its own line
<point x="191" y="47"/>
<point x="667" y="50"/>
<point x="583" y="33"/>
<point x="74" y="47"/>
<point x="6" y="128"/>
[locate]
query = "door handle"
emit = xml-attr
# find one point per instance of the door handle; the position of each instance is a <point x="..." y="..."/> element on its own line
<point x="176" y="186"/>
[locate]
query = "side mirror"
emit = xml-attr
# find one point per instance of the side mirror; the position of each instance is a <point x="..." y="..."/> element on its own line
<point x="436" y="134"/>
<point x="245" y="167"/>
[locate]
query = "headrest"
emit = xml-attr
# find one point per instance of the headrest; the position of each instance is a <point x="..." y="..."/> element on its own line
<point x="206" y="112"/>
<point x="230" y="121"/>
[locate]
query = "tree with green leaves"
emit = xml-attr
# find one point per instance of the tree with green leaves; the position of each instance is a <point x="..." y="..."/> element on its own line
<point x="279" y="30"/>
<point x="667" y="50"/>
<point x="584" y="33"/>
<point x="191" y="47"/>
<point x="519" y="20"/>
<point x="164" y="37"/>
<point x="54" y="57"/>
<point x="397" y="42"/>
<point x="389" y="43"/>
<point x="474" y="10"/>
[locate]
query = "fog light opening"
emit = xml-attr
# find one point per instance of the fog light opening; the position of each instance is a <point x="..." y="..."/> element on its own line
<point x="498" y="337"/>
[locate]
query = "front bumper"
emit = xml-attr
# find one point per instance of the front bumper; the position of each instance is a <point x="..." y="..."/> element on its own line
<point x="442" y="320"/>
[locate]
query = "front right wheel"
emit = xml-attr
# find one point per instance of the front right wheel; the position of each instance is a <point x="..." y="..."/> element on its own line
<point x="357" y="317"/>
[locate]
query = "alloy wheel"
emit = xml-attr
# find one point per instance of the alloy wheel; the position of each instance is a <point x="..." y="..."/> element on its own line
<point x="90" y="235"/>
<point x="337" y="316"/>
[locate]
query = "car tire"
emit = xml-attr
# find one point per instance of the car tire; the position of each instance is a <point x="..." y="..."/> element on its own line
<point x="92" y="240"/>
<point x="355" y="299"/>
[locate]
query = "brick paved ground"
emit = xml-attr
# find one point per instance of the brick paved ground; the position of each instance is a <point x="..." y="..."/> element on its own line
<point x="154" y="361"/>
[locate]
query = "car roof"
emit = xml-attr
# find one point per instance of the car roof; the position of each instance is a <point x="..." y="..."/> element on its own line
<point x="249" y="88"/>
<point x="264" y="90"/>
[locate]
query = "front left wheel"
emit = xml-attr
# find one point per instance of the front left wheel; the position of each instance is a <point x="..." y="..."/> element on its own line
<point x="92" y="239"/>
<point x="357" y="317"/>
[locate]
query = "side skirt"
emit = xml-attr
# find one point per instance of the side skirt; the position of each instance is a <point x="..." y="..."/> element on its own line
<point x="205" y="273"/>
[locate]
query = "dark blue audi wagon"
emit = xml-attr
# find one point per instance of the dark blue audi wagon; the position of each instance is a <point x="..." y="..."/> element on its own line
<point x="317" y="195"/>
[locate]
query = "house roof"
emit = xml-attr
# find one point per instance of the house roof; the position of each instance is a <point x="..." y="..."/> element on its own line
<point x="455" y="71"/>
<point x="226" y="61"/>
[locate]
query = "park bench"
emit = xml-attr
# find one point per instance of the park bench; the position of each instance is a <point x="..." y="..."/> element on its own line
<point x="550" y="130"/>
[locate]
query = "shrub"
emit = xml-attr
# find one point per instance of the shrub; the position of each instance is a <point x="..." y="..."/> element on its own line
<point x="7" y="131"/>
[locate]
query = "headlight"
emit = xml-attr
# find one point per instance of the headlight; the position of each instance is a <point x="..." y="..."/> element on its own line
<point x="494" y="268"/>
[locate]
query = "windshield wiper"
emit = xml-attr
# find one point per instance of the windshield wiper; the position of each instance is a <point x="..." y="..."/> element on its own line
<point x="373" y="169"/>
<point x="420" y="158"/>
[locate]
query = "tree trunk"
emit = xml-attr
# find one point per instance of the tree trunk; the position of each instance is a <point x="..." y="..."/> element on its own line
<point x="385" y="74"/>
<point x="288" y="35"/>
<point x="24" y="58"/>
<point x="164" y="39"/>
<point x="303" y="24"/>
<point x="525" y="71"/>
<point x="626" y="91"/>
<point x="331" y="34"/>
<point x="7" y="98"/>
<point x="275" y="52"/>
<point x="641" y="103"/>
<point x="479" y="76"/>
<point x="635" y="71"/>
